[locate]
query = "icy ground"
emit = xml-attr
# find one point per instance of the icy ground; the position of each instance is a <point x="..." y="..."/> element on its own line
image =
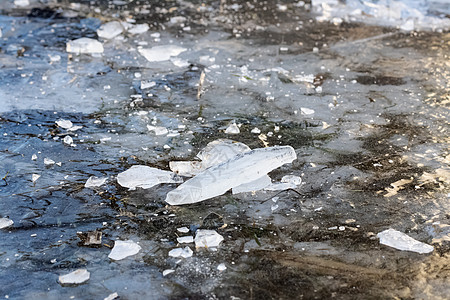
<point x="359" y="89"/>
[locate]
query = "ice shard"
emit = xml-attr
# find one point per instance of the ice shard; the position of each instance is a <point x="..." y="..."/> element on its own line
<point x="238" y="170"/>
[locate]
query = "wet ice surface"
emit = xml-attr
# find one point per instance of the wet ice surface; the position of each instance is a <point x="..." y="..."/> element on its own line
<point x="364" y="107"/>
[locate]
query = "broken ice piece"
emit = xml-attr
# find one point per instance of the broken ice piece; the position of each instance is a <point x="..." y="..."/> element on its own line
<point x="35" y="177"/>
<point x="90" y="238"/>
<point x="139" y="28"/>
<point x="221" y="150"/>
<point x="185" y="239"/>
<point x="5" y="222"/>
<point x="95" y="181"/>
<point x="205" y="238"/>
<point x="181" y="252"/>
<point x="221" y="267"/>
<point x="158" y="130"/>
<point x="84" y="45"/>
<point x="21" y="3"/>
<point x="161" y="53"/>
<point x="48" y="161"/>
<point x="296" y="180"/>
<point x="33" y="157"/>
<point x="75" y="128"/>
<point x="306" y="111"/>
<point x="401" y="241"/>
<point x="256" y="130"/>
<point x="123" y="249"/>
<point x="232" y="129"/>
<point x="183" y="229"/>
<point x="66" y="124"/>
<point x="112" y="296"/>
<point x="76" y="277"/>
<point x="147" y="84"/>
<point x="110" y="30"/>
<point x="145" y="177"/>
<point x="186" y="168"/>
<point x="241" y="169"/>
<point x="167" y="272"/>
<point x="68" y="140"/>
<point x="253" y="186"/>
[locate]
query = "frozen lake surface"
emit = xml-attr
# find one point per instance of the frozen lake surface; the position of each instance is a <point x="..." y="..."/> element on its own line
<point x="359" y="89"/>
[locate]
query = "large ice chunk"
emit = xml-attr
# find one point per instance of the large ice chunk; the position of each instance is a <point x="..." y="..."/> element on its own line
<point x="76" y="277"/>
<point x="84" y="45"/>
<point x="238" y="170"/>
<point x="401" y="241"/>
<point x="145" y="177"/>
<point x="161" y="53"/>
<point x="94" y="181"/>
<point x="110" y="30"/>
<point x="123" y="249"/>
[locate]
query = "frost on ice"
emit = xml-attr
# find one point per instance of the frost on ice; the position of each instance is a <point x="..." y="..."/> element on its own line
<point x="401" y="241"/>
<point x="205" y="238"/>
<point x="76" y="277"/>
<point x="95" y="181"/>
<point x="123" y="249"/>
<point x="5" y="222"/>
<point x="161" y="53"/>
<point x="145" y="177"/>
<point x="84" y="45"/>
<point x="241" y="169"/>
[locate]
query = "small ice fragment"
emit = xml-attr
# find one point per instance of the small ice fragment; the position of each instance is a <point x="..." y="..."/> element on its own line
<point x="112" y="296"/>
<point x="48" y="161"/>
<point x="75" y="128"/>
<point x="147" y="84"/>
<point x="205" y="238"/>
<point x="35" y="177"/>
<point x="186" y="168"/>
<point x="95" y="181"/>
<point x="221" y="267"/>
<point x="158" y="130"/>
<point x="185" y="239"/>
<point x="110" y="30"/>
<point x="238" y="170"/>
<point x="181" y="252"/>
<point x="274" y="207"/>
<point x="161" y="53"/>
<point x="145" y="177"/>
<point x="306" y="111"/>
<point x="291" y="179"/>
<point x="66" y="124"/>
<point x="76" y="277"/>
<point x="123" y="249"/>
<point x="21" y="3"/>
<point x="401" y="241"/>
<point x="139" y="28"/>
<point x="54" y="58"/>
<point x="59" y="163"/>
<point x="84" y="45"/>
<point x="167" y="272"/>
<point x="183" y="229"/>
<point x="181" y="63"/>
<point x="33" y="157"/>
<point x="232" y="129"/>
<point x="256" y="130"/>
<point x="5" y="222"/>
<point x="68" y="140"/>
<point x="253" y="186"/>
